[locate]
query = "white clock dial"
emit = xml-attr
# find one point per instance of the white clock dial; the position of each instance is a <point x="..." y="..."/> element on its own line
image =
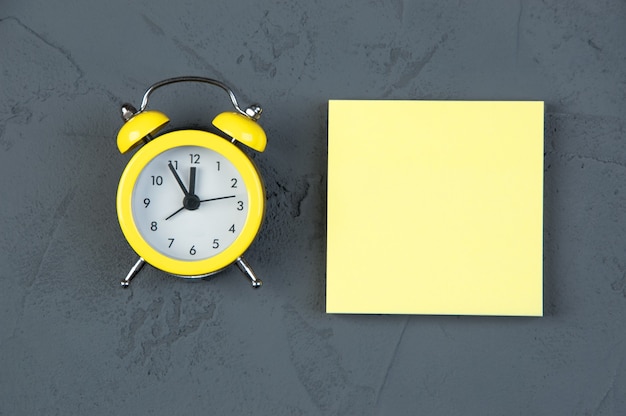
<point x="190" y="203"/>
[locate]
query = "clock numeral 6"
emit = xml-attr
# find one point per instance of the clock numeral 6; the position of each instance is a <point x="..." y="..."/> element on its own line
<point x="192" y="250"/>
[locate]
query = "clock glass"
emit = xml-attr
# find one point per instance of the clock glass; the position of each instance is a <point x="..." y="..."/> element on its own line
<point x="189" y="203"/>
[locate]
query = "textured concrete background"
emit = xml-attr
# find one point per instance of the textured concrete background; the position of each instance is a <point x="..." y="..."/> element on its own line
<point x="72" y="342"/>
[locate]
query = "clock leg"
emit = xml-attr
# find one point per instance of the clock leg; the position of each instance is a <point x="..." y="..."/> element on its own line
<point x="247" y="270"/>
<point x="133" y="272"/>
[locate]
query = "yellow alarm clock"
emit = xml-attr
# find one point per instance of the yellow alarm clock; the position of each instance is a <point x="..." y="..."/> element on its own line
<point x="190" y="202"/>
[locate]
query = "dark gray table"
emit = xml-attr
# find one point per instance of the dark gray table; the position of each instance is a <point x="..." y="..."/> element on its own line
<point x="74" y="343"/>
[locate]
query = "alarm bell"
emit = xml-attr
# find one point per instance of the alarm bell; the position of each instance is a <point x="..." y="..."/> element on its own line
<point x="138" y="126"/>
<point x="242" y="129"/>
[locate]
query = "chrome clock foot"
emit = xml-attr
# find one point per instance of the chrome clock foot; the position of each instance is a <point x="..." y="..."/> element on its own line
<point x="247" y="270"/>
<point x="133" y="272"/>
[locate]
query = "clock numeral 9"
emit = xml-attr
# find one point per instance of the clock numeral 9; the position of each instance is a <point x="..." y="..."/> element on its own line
<point x="157" y="180"/>
<point x="146" y="202"/>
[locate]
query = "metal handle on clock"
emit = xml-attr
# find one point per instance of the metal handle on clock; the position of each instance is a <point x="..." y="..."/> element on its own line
<point x="253" y="111"/>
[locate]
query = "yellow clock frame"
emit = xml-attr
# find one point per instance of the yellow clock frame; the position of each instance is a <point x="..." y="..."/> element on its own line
<point x="249" y="174"/>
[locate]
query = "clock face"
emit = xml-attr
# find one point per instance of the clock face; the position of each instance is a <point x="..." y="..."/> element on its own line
<point x="190" y="203"/>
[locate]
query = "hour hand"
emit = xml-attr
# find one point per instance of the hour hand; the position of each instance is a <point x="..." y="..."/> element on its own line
<point x="178" y="180"/>
<point x="192" y="180"/>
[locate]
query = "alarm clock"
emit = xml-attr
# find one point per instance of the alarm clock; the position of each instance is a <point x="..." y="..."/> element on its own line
<point x="190" y="202"/>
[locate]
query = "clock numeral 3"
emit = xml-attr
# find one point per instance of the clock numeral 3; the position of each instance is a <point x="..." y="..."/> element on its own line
<point x="239" y="205"/>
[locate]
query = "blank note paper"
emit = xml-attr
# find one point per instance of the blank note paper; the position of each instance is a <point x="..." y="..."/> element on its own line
<point x="435" y="207"/>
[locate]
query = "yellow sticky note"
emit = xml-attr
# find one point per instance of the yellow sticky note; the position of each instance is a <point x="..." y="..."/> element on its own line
<point x="435" y="207"/>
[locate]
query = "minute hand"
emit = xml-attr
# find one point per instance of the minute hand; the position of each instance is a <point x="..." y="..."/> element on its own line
<point x="180" y="182"/>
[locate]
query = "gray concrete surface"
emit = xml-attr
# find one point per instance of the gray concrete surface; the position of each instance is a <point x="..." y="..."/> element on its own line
<point x="72" y="342"/>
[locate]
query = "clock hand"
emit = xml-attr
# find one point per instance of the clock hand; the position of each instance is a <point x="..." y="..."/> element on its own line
<point x="191" y="201"/>
<point x="192" y="181"/>
<point x="215" y="199"/>
<point x="180" y="182"/>
<point x="177" y="211"/>
<point x="196" y="203"/>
